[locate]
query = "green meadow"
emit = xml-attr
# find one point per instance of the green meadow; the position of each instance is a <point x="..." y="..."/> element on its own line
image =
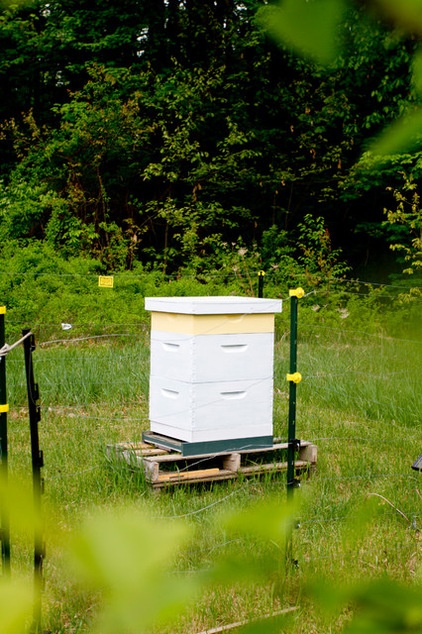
<point x="121" y="557"/>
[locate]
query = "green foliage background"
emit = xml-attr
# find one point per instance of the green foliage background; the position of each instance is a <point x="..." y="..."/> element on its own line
<point x="159" y="134"/>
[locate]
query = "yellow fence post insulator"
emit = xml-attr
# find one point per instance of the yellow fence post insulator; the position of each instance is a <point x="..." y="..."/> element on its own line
<point x="261" y="275"/>
<point x="296" y="377"/>
<point x="297" y="292"/>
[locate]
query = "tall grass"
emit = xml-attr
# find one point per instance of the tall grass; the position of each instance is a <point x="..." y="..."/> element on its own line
<point x="359" y="401"/>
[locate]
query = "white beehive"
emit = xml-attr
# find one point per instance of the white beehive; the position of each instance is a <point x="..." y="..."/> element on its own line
<point x="211" y="377"/>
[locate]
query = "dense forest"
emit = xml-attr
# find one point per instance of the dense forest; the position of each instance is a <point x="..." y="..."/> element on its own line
<point x="171" y="133"/>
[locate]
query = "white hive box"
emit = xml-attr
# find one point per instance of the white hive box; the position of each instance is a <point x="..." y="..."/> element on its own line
<point x="211" y="382"/>
<point x="205" y="358"/>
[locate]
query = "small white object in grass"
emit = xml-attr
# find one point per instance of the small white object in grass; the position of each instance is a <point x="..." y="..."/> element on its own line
<point x="66" y="326"/>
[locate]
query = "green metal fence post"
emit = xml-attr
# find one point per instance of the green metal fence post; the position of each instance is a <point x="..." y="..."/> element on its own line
<point x="294" y="377"/>
<point x="37" y="463"/>
<point x="4" y="408"/>
<point x="261" y="275"/>
<point x="293" y="444"/>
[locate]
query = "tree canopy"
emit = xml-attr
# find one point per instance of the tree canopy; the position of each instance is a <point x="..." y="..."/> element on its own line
<point x="164" y="131"/>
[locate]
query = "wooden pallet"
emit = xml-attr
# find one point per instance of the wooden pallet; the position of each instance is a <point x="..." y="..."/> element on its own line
<point x="164" y="467"/>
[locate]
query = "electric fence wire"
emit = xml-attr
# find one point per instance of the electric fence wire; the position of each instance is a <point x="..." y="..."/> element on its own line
<point x="74" y="474"/>
<point x="214" y="402"/>
<point x="207" y="507"/>
<point x="218" y="275"/>
<point x="87" y="338"/>
<point x="302" y="522"/>
<point x="73" y="412"/>
<point x="343" y="332"/>
<point x="359" y="333"/>
<point x="370" y="475"/>
<point x="308" y="559"/>
<point x="7" y="349"/>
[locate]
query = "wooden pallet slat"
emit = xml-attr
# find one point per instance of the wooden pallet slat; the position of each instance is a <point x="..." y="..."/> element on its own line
<point x="164" y="467"/>
<point x="187" y="475"/>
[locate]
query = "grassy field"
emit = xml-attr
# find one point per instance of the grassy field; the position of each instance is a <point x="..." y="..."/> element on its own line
<point x="357" y="520"/>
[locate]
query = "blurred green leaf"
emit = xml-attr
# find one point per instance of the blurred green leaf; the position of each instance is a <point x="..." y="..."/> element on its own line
<point x="15" y="606"/>
<point x="404" y="135"/>
<point x="385" y="607"/>
<point x="257" y="538"/>
<point x="329" y="599"/>
<point x="380" y="606"/>
<point x="269" y="519"/>
<point x="309" y="27"/>
<point x="128" y="557"/>
<point x="17" y="500"/>
<point x="357" y="523"/>
<point x="406" y="14"/>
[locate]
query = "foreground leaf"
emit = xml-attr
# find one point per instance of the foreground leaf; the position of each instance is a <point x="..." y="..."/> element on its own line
<point x="309" y="27"/>
<point x="127" y="557"/>
<point x="404" y="135"/>
<point x="406" y="14"/>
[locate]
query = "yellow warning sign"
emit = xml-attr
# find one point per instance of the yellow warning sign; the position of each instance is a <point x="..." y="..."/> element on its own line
<point x="105" y="281"/>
